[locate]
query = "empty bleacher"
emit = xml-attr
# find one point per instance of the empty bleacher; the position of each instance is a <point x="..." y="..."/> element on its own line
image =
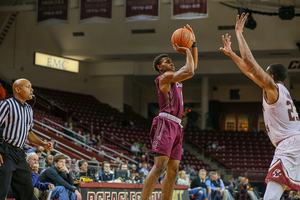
<point x="239" y="150"/>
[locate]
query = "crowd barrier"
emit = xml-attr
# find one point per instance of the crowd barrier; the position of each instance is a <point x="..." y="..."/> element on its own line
<point x="125" y="191"/>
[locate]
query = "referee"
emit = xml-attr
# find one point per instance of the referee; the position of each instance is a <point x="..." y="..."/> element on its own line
<point x="16" y="121"/>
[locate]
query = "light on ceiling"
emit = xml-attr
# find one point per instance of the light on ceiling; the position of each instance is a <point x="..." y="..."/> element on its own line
<point x="286" y="12"/>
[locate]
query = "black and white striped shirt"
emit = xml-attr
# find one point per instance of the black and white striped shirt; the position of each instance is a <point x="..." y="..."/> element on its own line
<point x="18" y="121"/>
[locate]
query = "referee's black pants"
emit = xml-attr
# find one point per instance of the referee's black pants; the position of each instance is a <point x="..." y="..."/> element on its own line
<point x="15" y="171"/>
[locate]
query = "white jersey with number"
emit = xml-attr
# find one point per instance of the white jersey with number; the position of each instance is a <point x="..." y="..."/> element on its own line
<point x="281" y="118"/>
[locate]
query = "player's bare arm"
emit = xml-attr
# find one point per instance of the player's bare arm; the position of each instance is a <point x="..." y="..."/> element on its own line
<point x="34" y="139"/>
<point x="184" y="73"/>
<point x="247" y="63"/>
<point x="253" y="70"/>
<point x="194" y="49"/>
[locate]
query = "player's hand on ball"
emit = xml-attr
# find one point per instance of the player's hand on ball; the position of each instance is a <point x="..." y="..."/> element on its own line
<point x="190" y="29"/>
<point x="180" y="49"/>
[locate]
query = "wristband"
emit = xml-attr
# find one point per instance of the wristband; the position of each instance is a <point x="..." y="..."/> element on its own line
<point x="194" y="44"/>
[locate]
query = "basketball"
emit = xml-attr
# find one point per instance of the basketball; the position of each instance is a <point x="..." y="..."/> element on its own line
<point x="183" y="37"/>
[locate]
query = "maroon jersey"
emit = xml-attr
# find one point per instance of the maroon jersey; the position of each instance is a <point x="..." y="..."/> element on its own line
<point x="171" y="102"/>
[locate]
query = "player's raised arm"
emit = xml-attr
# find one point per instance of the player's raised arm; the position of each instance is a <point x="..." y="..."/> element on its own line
<point x="186" y="72"/>
<point x="194" y="49"/>
<point x="247" y="63"/>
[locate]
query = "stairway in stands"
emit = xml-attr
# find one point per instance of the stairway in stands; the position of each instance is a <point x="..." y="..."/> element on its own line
<point x="6" y="21"/>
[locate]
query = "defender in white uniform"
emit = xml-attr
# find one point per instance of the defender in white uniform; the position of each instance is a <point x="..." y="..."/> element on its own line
<point x="280" y="115"/>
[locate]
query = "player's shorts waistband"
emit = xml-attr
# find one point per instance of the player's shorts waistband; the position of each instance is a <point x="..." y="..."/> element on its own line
<point x="171" y="117"/>
<point x="284" y="139"/>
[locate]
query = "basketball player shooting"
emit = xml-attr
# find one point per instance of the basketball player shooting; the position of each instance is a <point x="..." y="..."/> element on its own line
<point x="280" y="115"/>
<point x="166" y="132"/>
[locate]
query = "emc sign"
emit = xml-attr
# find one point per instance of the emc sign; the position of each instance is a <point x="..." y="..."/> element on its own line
<point x="56" y="62"/>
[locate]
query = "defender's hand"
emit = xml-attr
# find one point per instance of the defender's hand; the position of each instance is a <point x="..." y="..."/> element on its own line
<point x="240" y="22"/>
<point x="227" y="44"/>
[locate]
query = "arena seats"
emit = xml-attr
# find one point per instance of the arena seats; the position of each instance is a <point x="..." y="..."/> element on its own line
<point x="39" y="115"/>
<point x="189" y="158"/>
<point x="237" y="150"/>
<point x="86" y="107"/>
<point x="117" y="137"/>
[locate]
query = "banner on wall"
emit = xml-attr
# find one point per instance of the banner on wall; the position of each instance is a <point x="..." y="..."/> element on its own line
<point x="55" y="62"/>
<point x="189" y="9"/>
<point x="50" y="12"/>
<point x="141" y="10"/>
<point x="98" y="11"/>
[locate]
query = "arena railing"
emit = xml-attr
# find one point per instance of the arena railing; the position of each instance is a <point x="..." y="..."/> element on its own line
<point x="83" y="144"/>
<point x="120" y="139"/>
<point x="116" y="137"/>
<point x="44" y="154"/>
<point x="64" y="128"/>
<point x="48" y="104"/>
<point x="102" y="146"/>
<point x="83" y="124"/>
<point x="62" y="144"/>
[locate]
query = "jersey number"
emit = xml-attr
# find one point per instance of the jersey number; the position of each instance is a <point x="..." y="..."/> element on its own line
<point x="291" y="111"/>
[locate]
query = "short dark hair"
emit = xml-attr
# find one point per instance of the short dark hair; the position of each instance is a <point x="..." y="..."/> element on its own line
<point x="104" y="163"/>
<point x="57" y="157"/>
<point x="81" y="162"/>
<point x="120" y="166"/>
<point x="279" y="72"/>
<point x="157" y="61"/>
